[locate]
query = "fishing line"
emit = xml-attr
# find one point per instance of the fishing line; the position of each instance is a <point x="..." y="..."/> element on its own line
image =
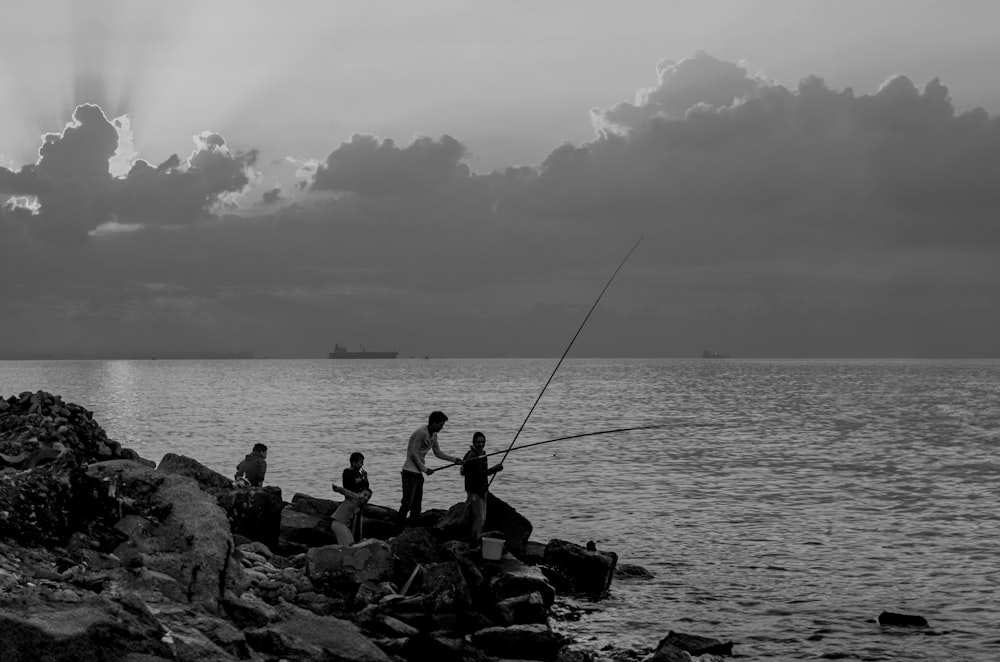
<point x="525" y="421"/>
<point x="658" y="426"/>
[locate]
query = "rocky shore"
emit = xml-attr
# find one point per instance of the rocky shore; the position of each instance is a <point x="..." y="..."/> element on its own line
<point x="107" y="556"/>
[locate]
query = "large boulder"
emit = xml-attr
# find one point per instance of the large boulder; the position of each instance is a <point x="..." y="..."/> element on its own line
<point x="181" y="533"/>
<point x="414" y="546"/>
<point x="576" y="569"/>
<point x="509" y="578"/>
<point x="95" y="629"/>
<point x="254" y="513"/>
<point x="502" y="517"/>
<point x="524" y="642"/>
<point x="302" y="528"/>
<point x="209" y="479"/>
<point x="302" y="635"/>
<point x="369" y="561"/>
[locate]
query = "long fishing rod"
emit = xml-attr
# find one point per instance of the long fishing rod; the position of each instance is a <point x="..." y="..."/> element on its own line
<point x="657" y="426"/>
<point x="549" y="441"/>
<point x="525" y="421"/>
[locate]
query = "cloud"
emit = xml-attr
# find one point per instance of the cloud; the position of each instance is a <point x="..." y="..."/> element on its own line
<point x="778" y="221"/>
<point x="366" y="166"/>
<point x="77" y="194"/>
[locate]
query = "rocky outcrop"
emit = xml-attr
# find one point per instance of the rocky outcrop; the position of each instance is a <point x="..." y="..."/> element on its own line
<point x="106" y="556"/>
<point x="576" y="569"/>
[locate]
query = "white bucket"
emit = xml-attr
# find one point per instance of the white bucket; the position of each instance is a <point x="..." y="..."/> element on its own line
<point x="492" y="549"/>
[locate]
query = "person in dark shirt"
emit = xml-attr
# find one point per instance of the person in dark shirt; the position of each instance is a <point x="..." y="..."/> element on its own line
<point x="476" y="470"/>
<point x="253" y="467"/>
<point x="355" y="479"/>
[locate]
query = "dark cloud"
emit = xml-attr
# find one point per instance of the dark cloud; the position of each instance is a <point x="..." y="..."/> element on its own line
<point x="778" y="221"/>
<point x="368" y="167"/>
<point x="76" y="192"/>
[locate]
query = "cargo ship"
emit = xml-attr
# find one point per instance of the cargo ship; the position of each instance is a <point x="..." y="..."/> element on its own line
<point x="341" y="352"/>
<point x="709" y="354"/>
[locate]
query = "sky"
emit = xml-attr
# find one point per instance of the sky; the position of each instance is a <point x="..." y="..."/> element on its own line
<point x="461" y="179"/>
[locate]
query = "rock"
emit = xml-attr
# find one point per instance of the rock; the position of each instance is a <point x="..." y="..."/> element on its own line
<point x="509" y="578"/>
<point x="98" y="629"/>
<point x="254" y="512"/>
<point x="521" y="609"/>
<point x="666" y="652"/>
<point x="209" y="480"/>
<point x="532" y="553"/>
<point x="696" y="644"/>
<point x="446" y="586"/>
<point x="500" y="516"/>
<point x="528" y="642"/>
<point x="185" y="534"/>
<point x="301" y="528"/>
<point x="632" y="571"/>
<point x="413" y="546"/>
<point x="908" y="620"/>
<point x="580" y="570"/>
<point x="327" y="637"/>
<point x="369" y="561"/>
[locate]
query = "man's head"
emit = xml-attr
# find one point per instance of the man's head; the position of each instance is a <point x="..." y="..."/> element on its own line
<point x="260" y="448"/>
<point x="357" y="460"/>
<point x="436" y="421"/>
<point x="479" y="440"/>
<point x="365" y="495"/>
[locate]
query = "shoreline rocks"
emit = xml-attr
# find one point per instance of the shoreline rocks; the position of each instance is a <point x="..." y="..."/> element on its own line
<point x="106" y="555"/>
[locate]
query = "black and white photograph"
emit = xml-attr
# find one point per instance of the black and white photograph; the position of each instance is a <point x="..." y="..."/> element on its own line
<point x="485" y="330"/>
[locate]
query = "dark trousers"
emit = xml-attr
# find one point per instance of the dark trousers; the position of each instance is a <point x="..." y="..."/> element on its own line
<point x="413" y="496"/>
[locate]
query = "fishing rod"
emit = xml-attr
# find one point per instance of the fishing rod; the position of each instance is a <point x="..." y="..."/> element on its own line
<point x="549" y="441"/>
<point x="525" y="421"/>
<point x="658" y="426"/>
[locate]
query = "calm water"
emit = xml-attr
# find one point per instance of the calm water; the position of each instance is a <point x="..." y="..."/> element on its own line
<point x="785" y="506"/>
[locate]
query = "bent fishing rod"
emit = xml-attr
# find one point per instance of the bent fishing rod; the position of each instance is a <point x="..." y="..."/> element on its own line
<point x="596" y="301"/>
<point x="549" y="441"/>
<point x="656" y="426"/>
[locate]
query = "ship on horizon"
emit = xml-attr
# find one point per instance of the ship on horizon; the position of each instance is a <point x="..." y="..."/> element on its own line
<point x="341" y="352"/>
<point x="709" y="354"/>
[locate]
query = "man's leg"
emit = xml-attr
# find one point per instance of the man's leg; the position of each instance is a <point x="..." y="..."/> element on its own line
<point x="418" y="499"/>
<point x="407" y="502"/>
<point x="477" y="514"/>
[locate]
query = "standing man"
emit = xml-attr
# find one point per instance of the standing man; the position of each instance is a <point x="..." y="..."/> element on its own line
<point x="424" y="439"/>
<point x="477" y="471"/>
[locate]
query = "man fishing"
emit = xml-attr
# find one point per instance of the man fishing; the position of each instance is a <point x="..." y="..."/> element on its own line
<point x="424" y="439"/>
<point x="476" y="470"/>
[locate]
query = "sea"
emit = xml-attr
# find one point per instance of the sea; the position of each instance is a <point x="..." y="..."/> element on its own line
<point x="781" y="504"/>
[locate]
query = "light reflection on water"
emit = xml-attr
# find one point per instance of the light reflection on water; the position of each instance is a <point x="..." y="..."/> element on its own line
<point x="786" y="506"/>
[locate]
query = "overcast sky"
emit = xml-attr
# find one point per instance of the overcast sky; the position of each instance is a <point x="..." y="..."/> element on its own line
<point x="454" y="178"/>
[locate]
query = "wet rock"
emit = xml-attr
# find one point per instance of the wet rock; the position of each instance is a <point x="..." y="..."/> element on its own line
<point x="527" y="642"/>
<point x="632" y="571"/>
<point x="908" y="620"/>
<point x="509" y="578"/>
<point x="579" y="570"/>
<point x="696" y="644"/>
<point x="522" y="609"/>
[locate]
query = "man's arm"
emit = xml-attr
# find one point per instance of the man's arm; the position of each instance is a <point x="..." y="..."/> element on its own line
<point x="493" y="470"/>
<point x="347" y="493"/>
<point x="440" y="453"/>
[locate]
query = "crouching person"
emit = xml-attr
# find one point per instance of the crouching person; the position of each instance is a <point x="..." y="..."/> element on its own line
<point x="346" y="513"/>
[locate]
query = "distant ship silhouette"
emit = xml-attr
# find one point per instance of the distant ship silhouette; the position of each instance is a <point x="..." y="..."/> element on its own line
<point x="709" y="354"/>
<point x="341" y="352"/>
